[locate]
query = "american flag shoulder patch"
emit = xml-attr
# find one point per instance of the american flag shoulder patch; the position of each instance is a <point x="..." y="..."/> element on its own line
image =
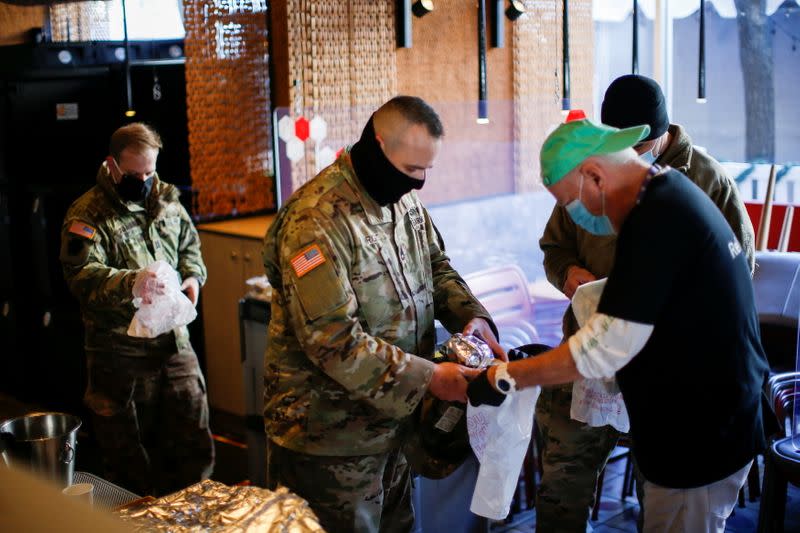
<point x="82" y="229"/>
<point x="307" y="260"/>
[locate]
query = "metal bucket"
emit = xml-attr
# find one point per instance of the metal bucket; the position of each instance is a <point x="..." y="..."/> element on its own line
<point x="42" y="442"/>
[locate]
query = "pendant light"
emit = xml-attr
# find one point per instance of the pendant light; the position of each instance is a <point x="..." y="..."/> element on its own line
<point x="701" y="64"/>
<point x="635" y="47"/>
<point x="483" y="105"/>
<point x="129" y="112"/>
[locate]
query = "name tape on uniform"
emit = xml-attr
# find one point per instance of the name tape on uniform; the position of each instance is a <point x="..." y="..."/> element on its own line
<point x="307" y="260"/>
<point x="84" y="230"/>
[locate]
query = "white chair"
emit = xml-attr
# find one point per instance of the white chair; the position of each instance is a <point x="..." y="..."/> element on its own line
<point x="503" y="291"/>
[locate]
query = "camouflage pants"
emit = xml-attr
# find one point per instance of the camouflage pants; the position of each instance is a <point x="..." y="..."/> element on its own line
<point x="367" y="493"/>
<point x="150" y="417"/>
<point x="573" y="454"/>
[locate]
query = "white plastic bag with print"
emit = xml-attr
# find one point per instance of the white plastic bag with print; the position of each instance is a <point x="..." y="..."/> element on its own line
<point x="500" y="436"/>
<point x="164" y="312"/>
<point x="596" y="402"/>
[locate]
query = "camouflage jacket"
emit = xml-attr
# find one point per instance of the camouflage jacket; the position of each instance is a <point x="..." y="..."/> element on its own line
<point x="356" y="288"/>
<point x="565" y="244"/>
<point x="105" y="242"/>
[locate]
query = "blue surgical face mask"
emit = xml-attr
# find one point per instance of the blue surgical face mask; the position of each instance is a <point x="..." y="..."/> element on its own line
<point x="648" y="157"/>
<point x="594" y="224"/>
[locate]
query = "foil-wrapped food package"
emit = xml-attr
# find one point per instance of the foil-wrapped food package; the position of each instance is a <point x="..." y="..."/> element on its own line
<point x="210" y="506"/>
<point x="467" y="350"/>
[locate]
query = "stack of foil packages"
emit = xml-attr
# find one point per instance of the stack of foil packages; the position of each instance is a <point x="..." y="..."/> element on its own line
<point x="214" y="507"/>
<point x="467" y="350"/>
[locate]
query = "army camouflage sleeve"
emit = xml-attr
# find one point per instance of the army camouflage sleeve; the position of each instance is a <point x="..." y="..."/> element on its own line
<point x="454" y="303"/>
<point x="89" y="278"/>
<point x="190" y="261"/>
<point x="323" y="311"/>
<point x="560" y="246"/>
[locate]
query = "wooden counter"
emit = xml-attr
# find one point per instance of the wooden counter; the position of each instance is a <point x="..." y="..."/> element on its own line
<point x="232" y="252"/>
<point x="249" y="228"/>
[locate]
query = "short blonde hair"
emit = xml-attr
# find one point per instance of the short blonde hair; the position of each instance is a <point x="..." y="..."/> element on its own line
<point x="137" y="136"/>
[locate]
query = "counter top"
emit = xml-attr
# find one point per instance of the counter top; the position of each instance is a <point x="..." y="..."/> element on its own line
<point x="248" y="227"/>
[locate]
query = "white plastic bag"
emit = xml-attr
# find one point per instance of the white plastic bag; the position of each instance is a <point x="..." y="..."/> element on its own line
<point x="500" y="436"/>
<point x="596" y="402"/>
<point x="165" y="312"/>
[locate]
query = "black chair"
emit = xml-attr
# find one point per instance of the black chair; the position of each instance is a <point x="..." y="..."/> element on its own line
<point x="781" y="467"/>
<point x="782" y="458"/>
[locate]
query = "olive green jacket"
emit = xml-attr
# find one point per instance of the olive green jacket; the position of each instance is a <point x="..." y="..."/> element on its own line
<point x="565" y="244"/>
<point x="356" y="288"/>
<point x="104" y="244"/>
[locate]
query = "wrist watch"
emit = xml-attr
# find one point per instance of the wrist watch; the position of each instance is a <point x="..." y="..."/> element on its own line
<point x="503" y="381"/>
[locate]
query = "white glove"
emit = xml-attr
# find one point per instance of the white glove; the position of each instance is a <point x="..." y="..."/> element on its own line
<point x="146" y="286"/>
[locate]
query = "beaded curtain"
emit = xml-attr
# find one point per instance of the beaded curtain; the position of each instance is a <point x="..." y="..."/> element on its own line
<point x="228" y="105"/>
<point x="341" y="65"/>
<point x="84" y="21"/>
<point x="537" y="45"/>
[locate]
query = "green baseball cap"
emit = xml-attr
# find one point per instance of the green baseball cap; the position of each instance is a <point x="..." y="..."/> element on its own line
<point x="571" y="143"/>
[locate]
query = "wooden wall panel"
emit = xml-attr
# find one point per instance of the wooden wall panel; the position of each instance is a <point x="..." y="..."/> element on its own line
<point x="17" y="21"/>
<point x="442" y="67"/>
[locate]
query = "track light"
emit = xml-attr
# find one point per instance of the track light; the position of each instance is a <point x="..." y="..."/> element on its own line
<point x="516" y="9"/>
<point x="422" y="7"/>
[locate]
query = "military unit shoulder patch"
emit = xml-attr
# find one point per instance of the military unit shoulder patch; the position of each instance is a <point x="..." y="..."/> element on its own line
<point x="307" y="260"/>
<point x="82" y="229"/>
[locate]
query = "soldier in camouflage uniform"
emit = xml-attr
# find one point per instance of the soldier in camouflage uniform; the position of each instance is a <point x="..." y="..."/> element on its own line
<point x="147" y="396"/>
<point x="359" y="274"/>
<point x="574" y="453"/>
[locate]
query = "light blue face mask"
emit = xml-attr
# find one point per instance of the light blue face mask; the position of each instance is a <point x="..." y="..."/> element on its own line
<point x="648" y="157"/>
<point x="594" y="224"/>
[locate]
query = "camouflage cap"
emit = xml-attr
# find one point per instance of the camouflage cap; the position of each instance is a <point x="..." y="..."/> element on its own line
<point x="571" y="143"/>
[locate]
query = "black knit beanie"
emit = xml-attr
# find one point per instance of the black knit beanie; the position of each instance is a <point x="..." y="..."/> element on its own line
<point x="633" y="100"/>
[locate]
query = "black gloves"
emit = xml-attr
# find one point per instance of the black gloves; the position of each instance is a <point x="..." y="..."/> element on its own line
<point x="480" y="391"/>
<point x="528" y="350"/>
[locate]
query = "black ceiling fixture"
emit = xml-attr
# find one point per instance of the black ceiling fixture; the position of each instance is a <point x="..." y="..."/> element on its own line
<point x="129" y="112"/>
<point x="403" y="26"/>
<point x="403" y="11"/>
<point x="516" y="8"/>
<point x="483" y="104"/>
<point x="422" y="7"/>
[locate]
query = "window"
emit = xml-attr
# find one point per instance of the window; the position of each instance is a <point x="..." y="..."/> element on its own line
<point x="751" y="117"/>
<point x="103" y="20"/>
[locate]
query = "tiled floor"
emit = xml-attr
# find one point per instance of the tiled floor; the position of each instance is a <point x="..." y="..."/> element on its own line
<point x="619" y="515"/>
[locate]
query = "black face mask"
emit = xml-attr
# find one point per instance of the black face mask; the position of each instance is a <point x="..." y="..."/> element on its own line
<point x="384" y="183"/>
<point x="132" y="189"/>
